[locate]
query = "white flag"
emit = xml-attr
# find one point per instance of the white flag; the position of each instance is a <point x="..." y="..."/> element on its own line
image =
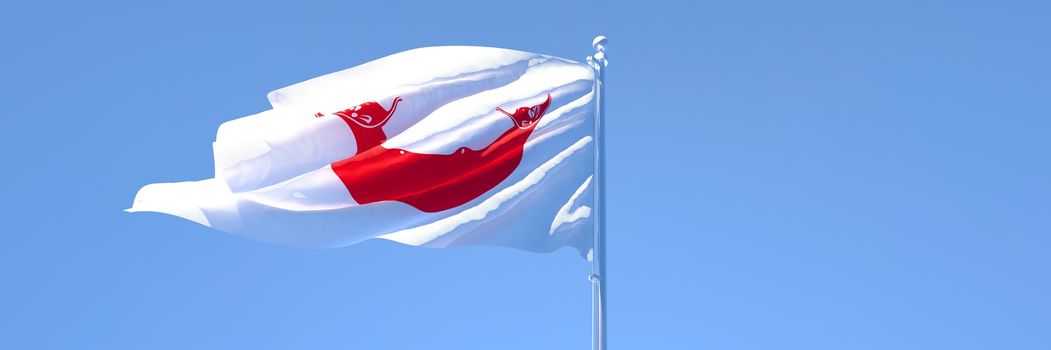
<point x="437" y="147"/>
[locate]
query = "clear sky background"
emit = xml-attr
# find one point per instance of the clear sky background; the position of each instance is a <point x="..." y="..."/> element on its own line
<point x="798" y="175"/>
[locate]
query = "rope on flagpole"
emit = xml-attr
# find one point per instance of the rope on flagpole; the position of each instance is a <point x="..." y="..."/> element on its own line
<point x="598" y="62"/>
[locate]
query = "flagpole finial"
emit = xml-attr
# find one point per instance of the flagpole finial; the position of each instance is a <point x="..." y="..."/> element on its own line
<point x="600" y="43"/>
<point x="598" y="59"/>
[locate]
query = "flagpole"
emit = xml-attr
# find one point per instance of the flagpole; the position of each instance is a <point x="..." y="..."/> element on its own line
<point x="598" y="62"/>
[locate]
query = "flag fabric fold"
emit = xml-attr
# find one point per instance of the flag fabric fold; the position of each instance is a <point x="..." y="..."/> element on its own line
<point x="436" y="147"/>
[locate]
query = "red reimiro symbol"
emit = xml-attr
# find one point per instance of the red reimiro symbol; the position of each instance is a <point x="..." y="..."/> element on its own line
<point x="428" y="182"/>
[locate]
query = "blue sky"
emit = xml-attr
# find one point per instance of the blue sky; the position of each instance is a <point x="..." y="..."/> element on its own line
<point x="807" y="175"/>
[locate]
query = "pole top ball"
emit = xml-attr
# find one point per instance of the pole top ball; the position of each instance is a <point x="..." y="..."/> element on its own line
<point x="600" y="43"/>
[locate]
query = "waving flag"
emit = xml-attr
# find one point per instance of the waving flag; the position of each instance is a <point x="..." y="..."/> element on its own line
<point x="437" y="147"/>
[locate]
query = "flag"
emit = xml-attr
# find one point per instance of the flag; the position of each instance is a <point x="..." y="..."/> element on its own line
<point x="435" y="147"/>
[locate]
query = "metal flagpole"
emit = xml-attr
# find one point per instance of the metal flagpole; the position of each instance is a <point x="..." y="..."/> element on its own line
<point x="598" y="62"/>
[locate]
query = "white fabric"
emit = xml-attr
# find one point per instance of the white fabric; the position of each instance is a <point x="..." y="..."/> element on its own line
<point x="274" y="181"/>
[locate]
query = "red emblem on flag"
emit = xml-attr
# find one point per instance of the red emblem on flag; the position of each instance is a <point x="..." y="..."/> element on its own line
<point x="428" y="182"/>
